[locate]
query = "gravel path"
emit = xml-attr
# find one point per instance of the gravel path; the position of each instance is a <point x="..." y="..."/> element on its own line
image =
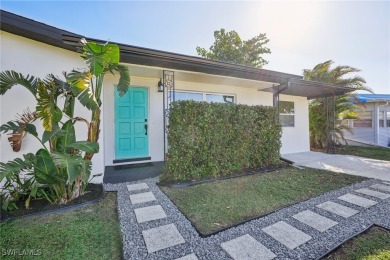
<point x="210" y="247"/>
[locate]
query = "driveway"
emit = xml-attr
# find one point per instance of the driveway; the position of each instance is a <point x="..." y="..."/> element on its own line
<point x="349" y="164"/>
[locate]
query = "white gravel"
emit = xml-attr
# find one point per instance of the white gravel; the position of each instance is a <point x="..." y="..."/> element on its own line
<point x="210" y="247"/>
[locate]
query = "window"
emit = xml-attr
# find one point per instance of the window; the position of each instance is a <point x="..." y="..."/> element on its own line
<point x="381" y="118"/>
<point x="364" y="119"/>
<point x="188" y="96"/>
<point x="207" y="97"/>
<point x="388" y="118"/>
<point x="219" y="98"/>
<point x="286" y="113"/>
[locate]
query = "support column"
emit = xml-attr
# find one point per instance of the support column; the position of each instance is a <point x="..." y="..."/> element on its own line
<point x="375" y="117"/>
<point x="168" y="98"/>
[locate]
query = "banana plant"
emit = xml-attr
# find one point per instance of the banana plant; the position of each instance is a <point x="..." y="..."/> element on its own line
<point x="61" y="169"/>
<point x="88" y="84"/>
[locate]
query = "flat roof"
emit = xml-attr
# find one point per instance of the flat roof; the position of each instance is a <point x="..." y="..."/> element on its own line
<point x="373" y="97"/>
<point x="44" y="33"/>
<point x="309" y="89"/>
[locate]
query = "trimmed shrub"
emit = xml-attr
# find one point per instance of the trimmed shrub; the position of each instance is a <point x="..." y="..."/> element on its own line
<point x="211" y="140"/>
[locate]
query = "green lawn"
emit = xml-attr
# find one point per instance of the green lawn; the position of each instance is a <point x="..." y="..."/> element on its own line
<point x="378" y="153"/>
<point x="371" y="245"/>
<point x="91" y="232"/>
<point x="217" y="205"/>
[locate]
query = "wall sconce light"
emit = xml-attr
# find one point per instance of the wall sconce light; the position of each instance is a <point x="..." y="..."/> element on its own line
<point x="160" y="86"/>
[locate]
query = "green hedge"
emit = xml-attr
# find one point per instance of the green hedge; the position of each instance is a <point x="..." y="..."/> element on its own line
<point x="210" y="140"/>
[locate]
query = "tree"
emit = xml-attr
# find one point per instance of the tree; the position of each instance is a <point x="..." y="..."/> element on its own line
<point x="229" y="47"/>
<point x="343" y="104"/>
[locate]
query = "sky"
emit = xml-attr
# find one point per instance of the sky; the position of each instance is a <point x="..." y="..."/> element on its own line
<point x="302" y="34"/>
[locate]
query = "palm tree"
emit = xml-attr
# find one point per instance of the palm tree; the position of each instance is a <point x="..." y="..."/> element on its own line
<point x="338" y="76"/>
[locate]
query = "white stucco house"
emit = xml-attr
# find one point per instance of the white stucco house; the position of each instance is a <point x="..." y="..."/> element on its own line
<point x="34" y="48"/>
<point x="373" y="124"/>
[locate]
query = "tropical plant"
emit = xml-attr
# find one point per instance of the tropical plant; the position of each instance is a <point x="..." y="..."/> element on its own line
<point x="229" y="47"/>
<point x="344" y="104"/>
<point x="61" y="170"/>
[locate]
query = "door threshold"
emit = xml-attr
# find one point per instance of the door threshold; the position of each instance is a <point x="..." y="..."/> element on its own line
<point x="132" y="159"/>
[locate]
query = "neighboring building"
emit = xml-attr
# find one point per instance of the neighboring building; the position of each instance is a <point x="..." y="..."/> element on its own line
<point x="373" y="124"/>
<point x="37" y="49"/>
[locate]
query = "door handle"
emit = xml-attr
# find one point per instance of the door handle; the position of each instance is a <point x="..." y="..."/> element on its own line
<point x="146" y="126"/>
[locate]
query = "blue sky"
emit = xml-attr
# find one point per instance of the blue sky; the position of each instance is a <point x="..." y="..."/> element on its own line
<point x="302" y="34"/>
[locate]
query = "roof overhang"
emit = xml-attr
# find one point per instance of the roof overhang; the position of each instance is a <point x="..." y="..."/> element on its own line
<point x="309" y="89"/>
<point x="44" y="33"/>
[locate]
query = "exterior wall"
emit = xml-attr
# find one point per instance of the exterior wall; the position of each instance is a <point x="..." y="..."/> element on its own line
<point x="155" y="121"/>
<point x="296" y="139"/>
<point x="375" y="134"/>
<point x="37" y="59"/>
<point x="242" y="96"/>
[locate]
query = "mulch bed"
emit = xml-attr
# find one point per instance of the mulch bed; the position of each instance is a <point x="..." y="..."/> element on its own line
<point x="92" y="192"/>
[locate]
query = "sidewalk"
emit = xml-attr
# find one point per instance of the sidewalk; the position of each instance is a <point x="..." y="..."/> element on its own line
<point x="349" y="164"/>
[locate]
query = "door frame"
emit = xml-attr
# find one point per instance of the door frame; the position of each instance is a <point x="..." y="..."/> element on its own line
<point x="132" y="159"/>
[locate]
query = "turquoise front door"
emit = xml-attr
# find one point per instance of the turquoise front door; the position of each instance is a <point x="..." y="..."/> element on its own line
<point x="131" y="124"/>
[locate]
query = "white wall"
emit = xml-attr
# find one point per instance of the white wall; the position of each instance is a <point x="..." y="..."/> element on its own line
<point x="37" y="59"/>
<point x="31" y="57"/>
<point x="375" y="134"/>
<point x="296" y="139"/>
<point x="155" y="121"/>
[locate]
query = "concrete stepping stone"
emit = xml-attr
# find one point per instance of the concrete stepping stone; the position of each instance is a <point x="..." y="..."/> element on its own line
<point x="315" y="220"/>
<point x="357" y="200"/>
<point x="142" y="197"/>
<point x="149" y="213"/>
<point x="247" y="248"/>
<point x="287" y="234"/>
<point x="138" y="186"/>
<point x="373" y="193"/>
<point x="381" y="187"/>
<point x="338" y="209"/>
<point x="162" y="237"/>
<point x="188" y="257"/>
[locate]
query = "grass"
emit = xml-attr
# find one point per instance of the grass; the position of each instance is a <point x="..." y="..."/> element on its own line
<point x="91" y="232"/>
<point x="221" y="204"/>
<point x="378" y="153"/>
<point x="371" y="245"/>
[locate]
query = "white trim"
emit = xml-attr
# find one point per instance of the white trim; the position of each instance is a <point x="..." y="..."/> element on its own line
<point x="288" y="114"/>
<point x="204" y="94"/>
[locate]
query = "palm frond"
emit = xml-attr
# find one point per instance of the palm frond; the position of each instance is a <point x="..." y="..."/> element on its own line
<point x="10" y="78"/>
<point x="82" y="88"/>
<point x="18" y="165"/>
<point x="124" y="79"/>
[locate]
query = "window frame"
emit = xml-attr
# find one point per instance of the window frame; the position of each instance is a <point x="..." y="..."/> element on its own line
<point x="372" y="120"/>
<point x="204" y="95"/>
<point x="387" y="118"/>
<point x="287" y="114"/>
<point x="383" y="119"/>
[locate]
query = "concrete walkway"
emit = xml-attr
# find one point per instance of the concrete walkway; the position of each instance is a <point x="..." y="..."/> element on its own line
<point x="343" y="163"/>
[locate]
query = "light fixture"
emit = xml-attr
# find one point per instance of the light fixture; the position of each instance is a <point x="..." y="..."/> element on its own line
<point x="160" y="86"/>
